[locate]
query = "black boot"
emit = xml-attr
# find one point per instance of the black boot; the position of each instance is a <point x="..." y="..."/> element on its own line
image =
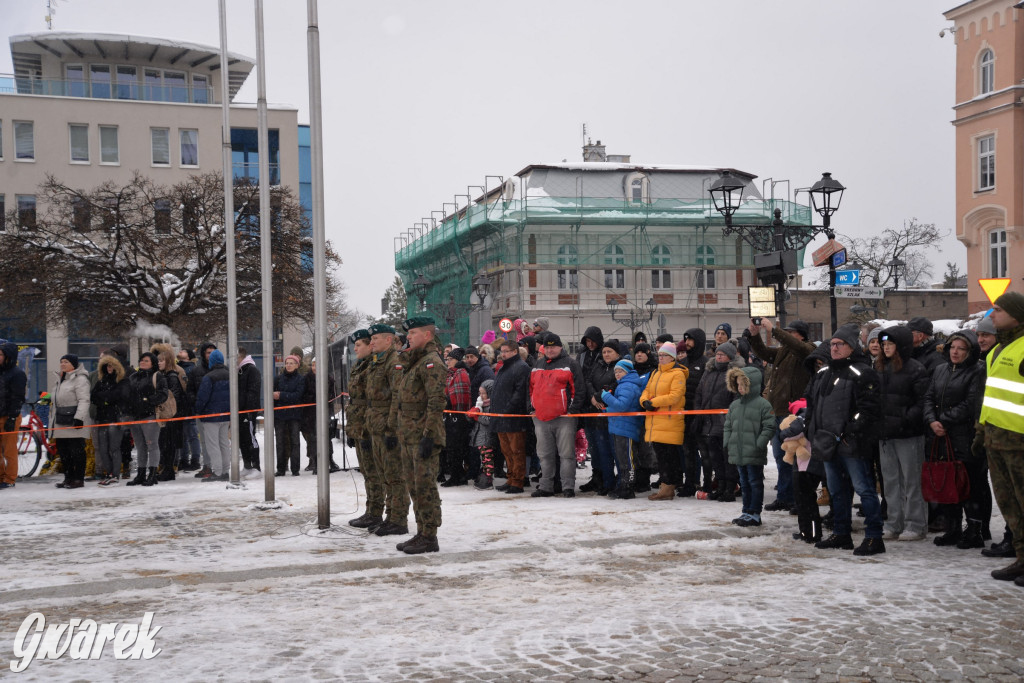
<point x="1002" y="549"/>
<point x="150" y="479"/>
<point x="728" y="494"/>
<point x="971" y="537"/>
<point x="596" y="482"/>
<point x="642" y="483"/>
<point x="953" y="520"/>
<point x="815" y="532"/>
<point x="140" y="477"/>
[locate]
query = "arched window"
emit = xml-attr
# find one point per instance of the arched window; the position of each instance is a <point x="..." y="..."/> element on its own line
<point x="997" y="253"/>
<point x="661" y="278"/>
<point x="705" y="276"/>
<point x="986" y="72"/>
<point x="638" y="188"/>
<point x="614" y="279"/>
<point x="567" y="278"/>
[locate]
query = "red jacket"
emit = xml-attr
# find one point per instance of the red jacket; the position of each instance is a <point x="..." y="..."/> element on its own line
<point x="557" y="387"/>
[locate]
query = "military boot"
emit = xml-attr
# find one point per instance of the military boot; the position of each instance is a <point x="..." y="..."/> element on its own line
<point x="366" y="521"/>
<point x="404" y="544"/>
<point x="1009" y="573"/>
<point x="971" y="537"/>
<point x="424" y="544"/>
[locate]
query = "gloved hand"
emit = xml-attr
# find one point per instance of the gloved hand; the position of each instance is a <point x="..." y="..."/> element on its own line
<point x="366" y="444"/>
<point x="79" y="423"/>
<point x="647" y="405"/>
<point x="350" y="441"/>
<point x="978" y="445"/>
<point x="391" y="442"/>
<point x="604" y="396"/>
<point x="426" y="447"/>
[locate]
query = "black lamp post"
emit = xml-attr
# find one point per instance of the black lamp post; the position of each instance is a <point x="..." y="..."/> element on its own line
<point x="773" y="241"/>
<point x="825" y="196"/>
<point x="636" y="315"/>
<point x="894" y="272"/>
<point x="481" y="287"/>
<point x="420" y="285"/>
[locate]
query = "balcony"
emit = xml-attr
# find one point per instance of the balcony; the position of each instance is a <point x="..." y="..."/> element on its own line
<point x="101" y="90"/>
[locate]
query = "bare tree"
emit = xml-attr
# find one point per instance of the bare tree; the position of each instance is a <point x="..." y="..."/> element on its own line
<point x="914" y="244"/>
<point x="120" y="254"/>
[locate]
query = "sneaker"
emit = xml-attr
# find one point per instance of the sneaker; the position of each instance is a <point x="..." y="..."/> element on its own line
<point x="541" y="493"/>
<point x="870" y="546"/>
<point x="891" y="536"/>
<point x="483" y="482"/>
<point x="310" y="466"/>
<point x="750" y="520"/>
<point x="514" y="489"/>
<point x="218" y="477"/>
<point x="835" y="542"/>
<point x="503" y="488"/>
<point x="740" y="519"/>
<point x="204" y="473"/>
<point x="5" y="485"/>
<point x="622" y="494"/>
<point x="280" y="473"/>
<point x="919" y="536"/>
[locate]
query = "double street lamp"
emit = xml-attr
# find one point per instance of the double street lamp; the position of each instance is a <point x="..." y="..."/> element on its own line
<point x="451" y="311"/>
<point x="636" y="315"/>
<point x="775" y="240"/>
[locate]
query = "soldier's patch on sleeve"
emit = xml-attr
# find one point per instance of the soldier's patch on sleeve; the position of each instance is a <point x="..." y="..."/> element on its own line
<point x="398" y="367"/>
<point x="430" y="366"/>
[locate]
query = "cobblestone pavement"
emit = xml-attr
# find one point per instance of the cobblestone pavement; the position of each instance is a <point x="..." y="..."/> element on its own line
<point x="709" y="603"/>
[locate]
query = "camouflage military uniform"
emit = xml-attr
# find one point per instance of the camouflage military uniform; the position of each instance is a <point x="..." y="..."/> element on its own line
<point x="420" y="408"/>
<point x="373" y="477"/>
<point x="382" y="377"/>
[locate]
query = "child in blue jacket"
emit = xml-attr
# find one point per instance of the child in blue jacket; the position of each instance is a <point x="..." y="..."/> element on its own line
<point x="626" y="431"/>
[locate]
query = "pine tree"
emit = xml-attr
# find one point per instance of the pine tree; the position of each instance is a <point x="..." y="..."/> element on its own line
<point x="394" y="304"/>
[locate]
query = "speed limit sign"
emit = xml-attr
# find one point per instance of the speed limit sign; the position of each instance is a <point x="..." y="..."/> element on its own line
<point x="505" y="325"/>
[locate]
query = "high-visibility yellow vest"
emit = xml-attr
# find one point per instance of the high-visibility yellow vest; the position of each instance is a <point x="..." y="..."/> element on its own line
<point x="1003" y="405"/>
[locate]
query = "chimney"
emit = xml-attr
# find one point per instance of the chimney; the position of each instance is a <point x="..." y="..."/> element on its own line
<point x="592" y="152"/>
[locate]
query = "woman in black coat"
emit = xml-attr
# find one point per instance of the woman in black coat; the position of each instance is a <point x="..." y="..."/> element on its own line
<point x="951" y="407"/>
<point x="147" y="389"/>
<point x="903" y="383"/>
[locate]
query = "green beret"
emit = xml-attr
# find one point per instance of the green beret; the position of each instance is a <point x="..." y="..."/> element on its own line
<point x="381" y="328"/>
<point x="418" y="321"/>
<point x="359" y="334"/>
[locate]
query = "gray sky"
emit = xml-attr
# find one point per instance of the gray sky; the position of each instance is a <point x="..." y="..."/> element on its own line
<point x="421" y="99"/>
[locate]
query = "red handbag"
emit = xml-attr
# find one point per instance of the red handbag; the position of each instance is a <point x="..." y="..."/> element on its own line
<point x="943" y="477"/>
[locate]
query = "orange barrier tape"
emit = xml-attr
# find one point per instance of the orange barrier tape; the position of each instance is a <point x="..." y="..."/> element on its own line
<point x="722" y="411"/>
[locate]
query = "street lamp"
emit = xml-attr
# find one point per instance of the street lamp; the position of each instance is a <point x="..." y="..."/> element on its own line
<point x="727" y="193"/>
<point x="420" y="285"/>
<point x="636" y="314"/>
<point x="481" y="287"/>
<point x="825" y="196"/>
<point x="894" y="272"/>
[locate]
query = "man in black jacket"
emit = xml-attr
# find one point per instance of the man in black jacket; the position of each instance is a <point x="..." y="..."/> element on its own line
<point x="591" y="343"/>
<point x="692" y="348"/>
<point x="510" y="397"/>
<point x="843" y="408"/>
<point x="249" y="384"/>
<point x="925" y="351"/>
<point x="195" y="378"/>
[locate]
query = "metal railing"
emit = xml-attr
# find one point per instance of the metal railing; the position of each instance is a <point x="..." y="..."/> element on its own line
<point x="56" y="87"/>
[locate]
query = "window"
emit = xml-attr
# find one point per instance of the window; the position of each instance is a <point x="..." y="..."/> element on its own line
<point x="162" y="216"/>
<point x="75" y="74"/>
<point x="200" y="89"/>
<point x="705" y="277"/>
<point x="637" y="191"/>
<point x="567" y="278"/>
<point x="161" y="146"/>
<point x="997" y="253"/>
<point x="661" y="256"/>
<point x="987" y="162"/>
<point x="81" y="217"/>
<point x="26" y="211"/>
<point x="79" y="143"/>
<point x="614" y="279"/>
<point x="174" y="83"/>
<point x="127" y="83"/>
<point x="986" y="72"/>
<point x="99" y="79"/>
<point x="108" y="216"/>
<point x="189" y="147"/>
<point x="109" y="152"/>
<point x="24" y="141"/>
<point x="3" y="214"/>
<point x="153" y="80"/>
<point x="637" y="188"/>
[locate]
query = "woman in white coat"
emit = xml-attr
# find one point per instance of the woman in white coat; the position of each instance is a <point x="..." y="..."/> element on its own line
<point x="70" y="415"/>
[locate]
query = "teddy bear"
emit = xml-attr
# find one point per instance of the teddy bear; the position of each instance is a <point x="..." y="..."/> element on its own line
<point x="794" y="443"/>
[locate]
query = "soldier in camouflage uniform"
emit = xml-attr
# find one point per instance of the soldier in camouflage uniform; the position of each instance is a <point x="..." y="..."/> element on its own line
<point x="358" y="438"/>
<point x="420" y="406"/>
<point x="382" y="378"/>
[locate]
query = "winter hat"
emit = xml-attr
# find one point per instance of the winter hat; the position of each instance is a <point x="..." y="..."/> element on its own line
<point x="662" y="338"/>
<point x="625" y="365"/>
<point x="669" y="348"/>
<point x="457" y="353"/>
<point x="985" y="326"/>
<point x="216" y="358"/>
<point x="639" y="337"/>
<point x="727" y="327"/>
<point x="849" y="333"/>
<point x="681" y="346"/>
<point x="612" y="344"/>
<point x="799" y="326"/>
<point x="530" y="342"/>
<point x="873" y="334"/>
<point x="920" y="324"/>
<point x="1013" y="304"/>
<point x="73" y="359"/>
<point x="552" y="339"/>
<point x="728" y="349"/>
<point x="488" y="337"/>
<point x="290" y="356"/>
<point x="488" y="385"/>
<point x="642" y="347"/>
<point x="543" y="323"/>
<point x="472" y="351"/>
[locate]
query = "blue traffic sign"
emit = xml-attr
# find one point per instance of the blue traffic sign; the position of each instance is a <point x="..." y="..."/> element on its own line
<point x="847" y="277"/>
<point x="839" y="258"/>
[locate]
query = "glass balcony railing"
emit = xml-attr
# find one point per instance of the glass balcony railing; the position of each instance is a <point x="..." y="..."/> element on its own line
<point x="106" y="90"/>
<point x="250" y="172"/>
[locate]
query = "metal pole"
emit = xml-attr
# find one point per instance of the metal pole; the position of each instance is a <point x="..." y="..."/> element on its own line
<point x="831" y="277"/>
<point x="266" y="272"/>
<point x="229" y="233"/>
<point x="323" y="484"/>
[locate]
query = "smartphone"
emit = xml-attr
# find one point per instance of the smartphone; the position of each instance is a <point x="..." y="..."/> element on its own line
<point x="756" y="321"/>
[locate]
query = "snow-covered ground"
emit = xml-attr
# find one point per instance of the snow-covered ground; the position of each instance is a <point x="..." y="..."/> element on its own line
<point x="523" y="588"/>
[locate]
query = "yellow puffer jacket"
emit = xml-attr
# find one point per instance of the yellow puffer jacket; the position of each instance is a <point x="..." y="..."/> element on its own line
<point x="666" y="390"/>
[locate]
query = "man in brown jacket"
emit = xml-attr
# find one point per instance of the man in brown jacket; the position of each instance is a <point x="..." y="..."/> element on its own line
<point x="786" y="380"/>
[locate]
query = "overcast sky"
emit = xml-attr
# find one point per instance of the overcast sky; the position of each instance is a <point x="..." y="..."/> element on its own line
<point x="421" y="99"/>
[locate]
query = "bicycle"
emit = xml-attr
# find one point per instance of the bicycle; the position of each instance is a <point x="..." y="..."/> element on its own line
<point x="31" y="442"/>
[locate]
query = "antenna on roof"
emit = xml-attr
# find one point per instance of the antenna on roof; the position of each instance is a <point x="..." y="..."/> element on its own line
<point x="584" y="133"/>
<point x="51" y="9"/>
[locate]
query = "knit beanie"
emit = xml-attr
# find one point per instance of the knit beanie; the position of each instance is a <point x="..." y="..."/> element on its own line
<point x="488" y="337"/>
<point x="216" y="358"/>
<point x="1013" y="304"/>
<point x="921" y="324"/>
<point x="457" y="353"/>
<point x="849" y="333"/>
<point x="488" y="385"/>
<point x="728" y="349"/>
<point x="670" y="349"/>
<point x="873" y="334"/>
<point x="472" y="351"/>
<point x="625" y="365"/>
<point x="542" y="323"/>
<point x="612" y="344"/>
<point x="727" y="327"/>
<point x="985" y="326"/>
<point x="292" y="356"/>
<point x="71" y="358"/>
<point x="642" y="347"/>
